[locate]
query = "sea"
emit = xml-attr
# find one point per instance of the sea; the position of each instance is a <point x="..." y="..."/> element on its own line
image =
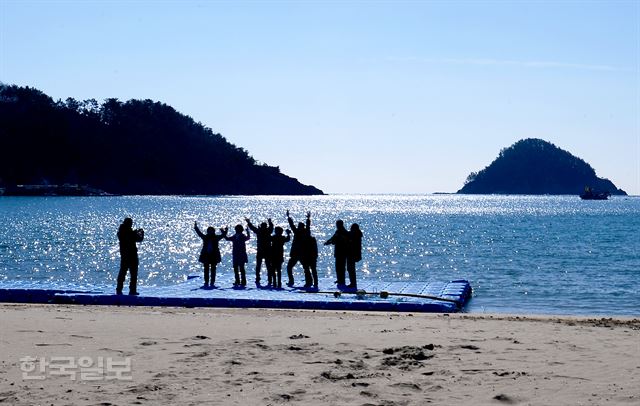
<point x="521" y="254"/>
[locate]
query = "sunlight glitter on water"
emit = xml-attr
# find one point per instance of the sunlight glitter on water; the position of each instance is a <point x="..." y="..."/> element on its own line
<point x="508" y="247"/>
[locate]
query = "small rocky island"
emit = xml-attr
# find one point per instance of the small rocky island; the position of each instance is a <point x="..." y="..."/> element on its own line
<point x="537" y="167"/>
<point x="138" y="147"/>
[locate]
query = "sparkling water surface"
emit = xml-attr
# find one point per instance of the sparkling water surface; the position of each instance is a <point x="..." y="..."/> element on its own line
<point x="521" y="254"/>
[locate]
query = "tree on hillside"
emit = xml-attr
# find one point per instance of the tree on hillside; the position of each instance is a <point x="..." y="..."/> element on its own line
<point x="132" y="147"/>
<point x="534" y="166"/>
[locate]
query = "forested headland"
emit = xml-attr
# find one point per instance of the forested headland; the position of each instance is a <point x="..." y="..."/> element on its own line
<point x="535" y="167"/>
<point x="133" y="147"/>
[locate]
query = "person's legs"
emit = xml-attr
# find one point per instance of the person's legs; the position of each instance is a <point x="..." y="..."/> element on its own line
<point x="314" y="273"/>
<point x="213" y="274"/>
<point x="290" y="265"/>
<point x="133" y="280"/>
<point x="236" y="274"/>
<point x="307" y="275"/>
<point x="278" y="275"/>
<point x="351" y="269"/>
<point x="206" y="275"/>
<point x="243" y="276"/>
<point x="121" y="275"/>
<point x="340" y="269"/>
<point x="259" y="258"/>
<point x="271" y="280"/>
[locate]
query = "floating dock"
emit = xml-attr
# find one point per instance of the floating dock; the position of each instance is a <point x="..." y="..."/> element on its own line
<point x="431" y="297"/>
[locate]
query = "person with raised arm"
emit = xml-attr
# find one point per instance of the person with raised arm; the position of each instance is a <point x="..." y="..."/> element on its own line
<point x="210" y="253"/>
<point x="297" y="253"/>
<point x="263" y="241"/>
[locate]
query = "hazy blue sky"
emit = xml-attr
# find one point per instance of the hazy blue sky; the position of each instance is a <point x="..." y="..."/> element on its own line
<point x="392" y="97"/>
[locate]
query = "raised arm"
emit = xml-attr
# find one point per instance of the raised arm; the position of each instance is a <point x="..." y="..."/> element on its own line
<point x="251" y="226"/>
<point x="309" y="222"/>
<point x="270" y="226"/>
<point x="290" y="220"/>
<point x="223" y="233"/>
<point x="195" y="227"/>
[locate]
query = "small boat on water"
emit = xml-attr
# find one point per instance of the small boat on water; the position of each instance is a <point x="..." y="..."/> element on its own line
<point x="590" y="194"/>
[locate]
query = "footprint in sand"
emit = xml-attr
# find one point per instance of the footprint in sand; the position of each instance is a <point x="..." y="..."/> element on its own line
<point x="79" y="336"/>
<point x="407" y="385"/>
<point x="53" y="344"/>
<point x="504" y="398"/>
<point x="357" y="364"/>
<point x="164" y="375"/>
<point x="194" y="355"/>
<point x="252" y="341"/>
<point x="144" y="388"/>
<point x="368" y="394"/>
<point x="8" y="397"/>
<point x="407" y="357"/>
<point x="121" y="352"/>
<point x="334" y="377"/>
<point x="283" y="397"/>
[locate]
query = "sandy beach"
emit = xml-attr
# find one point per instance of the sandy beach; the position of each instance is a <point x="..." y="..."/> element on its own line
<point x="127" y="355"/>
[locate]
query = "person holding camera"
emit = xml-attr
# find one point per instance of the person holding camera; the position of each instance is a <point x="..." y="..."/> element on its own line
<point x="128" y="237"/>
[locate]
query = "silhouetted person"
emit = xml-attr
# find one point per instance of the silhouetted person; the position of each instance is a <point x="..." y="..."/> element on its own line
<point x="128" y="237"/>
<point x="311" y="259"/>
<point x="263" y="241"/>
<point x="354" y="254"/>
<point x="277" y="256"/>
<point x="239" y="254"/>
<point x="340" y="241"/>
<point x="210" y="253"/>
<point x="300" y="235"/>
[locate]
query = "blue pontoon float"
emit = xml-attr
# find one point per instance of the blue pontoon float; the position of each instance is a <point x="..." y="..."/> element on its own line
<point x="432" y="297"/>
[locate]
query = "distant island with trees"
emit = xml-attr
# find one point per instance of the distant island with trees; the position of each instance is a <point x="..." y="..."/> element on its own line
<point x="536" y="167"/>
<point x="141" y="147"/>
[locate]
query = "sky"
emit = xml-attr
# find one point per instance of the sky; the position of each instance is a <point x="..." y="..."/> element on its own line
<point x="355" y="96"/>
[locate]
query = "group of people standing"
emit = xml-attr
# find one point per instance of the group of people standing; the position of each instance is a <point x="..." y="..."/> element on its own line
<point x="347" y="251"/>
<point x="270" y="250"/>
